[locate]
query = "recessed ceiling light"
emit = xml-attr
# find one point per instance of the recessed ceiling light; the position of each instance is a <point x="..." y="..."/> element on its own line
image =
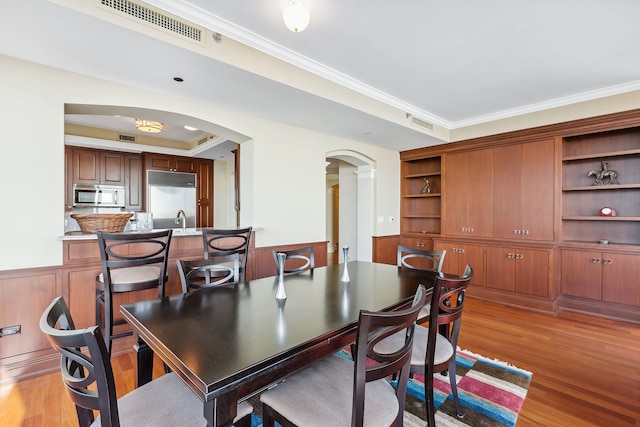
<point x="187" y="127"/>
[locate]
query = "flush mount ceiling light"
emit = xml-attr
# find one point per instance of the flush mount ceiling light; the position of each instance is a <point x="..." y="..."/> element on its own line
<point x="187" y="127"/>
<point x="148" y="126"/>
<point x="296" y="16"/>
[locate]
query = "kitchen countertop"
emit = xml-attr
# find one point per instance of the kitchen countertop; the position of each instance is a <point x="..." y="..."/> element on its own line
<point x="177" y="232"/>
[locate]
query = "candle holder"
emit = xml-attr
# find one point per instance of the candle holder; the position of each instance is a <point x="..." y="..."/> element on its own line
<point x="281" y="293"/>
<point x="345" y="272"/>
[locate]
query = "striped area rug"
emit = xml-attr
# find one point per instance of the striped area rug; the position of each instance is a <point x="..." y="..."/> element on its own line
<point x="491" y="393"/>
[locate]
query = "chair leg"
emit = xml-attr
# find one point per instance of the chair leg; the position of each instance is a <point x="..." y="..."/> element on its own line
<point x="267" y="420"/>
<point x="454" y="387"/>
<point x="108" y="319"/>
<point x="243" y="422"/>
<point x="428" y="398"/>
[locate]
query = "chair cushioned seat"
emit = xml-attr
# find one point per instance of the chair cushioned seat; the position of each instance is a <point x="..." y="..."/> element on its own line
<point x="166" y="401"/>
<point x="140" y="274"/>
<point x="444" y="349"/>
<point x="330" y="381"/>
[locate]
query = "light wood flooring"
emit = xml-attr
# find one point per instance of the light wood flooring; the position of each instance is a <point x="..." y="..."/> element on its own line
<point x="586" y="370"/>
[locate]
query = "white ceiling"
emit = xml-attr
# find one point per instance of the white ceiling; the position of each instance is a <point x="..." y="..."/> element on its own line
<point x="453" y="63"/>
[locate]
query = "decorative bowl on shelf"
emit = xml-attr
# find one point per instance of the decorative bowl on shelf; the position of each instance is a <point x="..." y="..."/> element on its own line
<point x="109" y="223"/>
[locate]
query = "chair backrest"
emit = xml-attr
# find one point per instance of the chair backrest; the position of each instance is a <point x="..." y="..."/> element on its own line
<point x="122" y="250"/>
<point x="227" y="242"/>
<point x="419" y="259"/>
<point x="80" y="370"/>
<point x="372" y="328"/>
<point x="214" y="271"/>
<point x="297" y="260"/>
<point x="446" y="308"/>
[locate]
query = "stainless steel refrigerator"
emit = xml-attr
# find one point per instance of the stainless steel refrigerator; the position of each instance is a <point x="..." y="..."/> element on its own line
<point x="167" y="194"/>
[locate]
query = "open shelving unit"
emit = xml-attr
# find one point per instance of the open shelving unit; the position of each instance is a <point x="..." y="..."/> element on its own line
<point x="421" y="211"/>
<point x="582" y="199"/>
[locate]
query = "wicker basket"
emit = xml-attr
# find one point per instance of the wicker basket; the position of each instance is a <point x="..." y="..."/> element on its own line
<point x="109" y="223"/>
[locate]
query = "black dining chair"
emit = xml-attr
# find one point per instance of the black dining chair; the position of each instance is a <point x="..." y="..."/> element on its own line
<point x="430" y="261"/>
<point x="296" y="260"/>
<point x="336" y="390"/>
<point x="219" y="241"/>
<point x="130" y="262"/>
<point x="87" y="374"/>
<point x="217" y="270"/>
<point x="433" y="351"/>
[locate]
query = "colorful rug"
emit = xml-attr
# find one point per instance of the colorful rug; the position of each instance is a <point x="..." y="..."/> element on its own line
<point x="491" y="393"/>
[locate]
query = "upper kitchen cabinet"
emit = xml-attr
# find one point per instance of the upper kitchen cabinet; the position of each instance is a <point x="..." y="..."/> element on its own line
<point x="97" y="167"/>
<point x="420" y="189"/>
<point x="523" y="196"/>
<point x="134" y="191"/>
<point x="162" y="162"/>
<point x="468" y="194"/>
<point x="601" y="187"/>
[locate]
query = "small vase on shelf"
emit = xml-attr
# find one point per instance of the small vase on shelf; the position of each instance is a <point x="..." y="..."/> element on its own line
<point x="281" y="293"/>
<point x="345" y="272"/>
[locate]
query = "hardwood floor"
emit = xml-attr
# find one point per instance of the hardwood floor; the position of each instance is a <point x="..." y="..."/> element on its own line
<point x="586" y="370"/>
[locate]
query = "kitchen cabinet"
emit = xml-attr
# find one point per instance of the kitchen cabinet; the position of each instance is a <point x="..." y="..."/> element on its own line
<point x="458" y="255"/>
<point x="601" y="275"/>
<point x="468" y="193"/>
<point x="162" y="162"/>
<point x="204" y="197"/>
<point x="522" y="270"/>
<point x="97" y="167"/>
<point x="523" y="182"/>
<point x="134" y="190"/>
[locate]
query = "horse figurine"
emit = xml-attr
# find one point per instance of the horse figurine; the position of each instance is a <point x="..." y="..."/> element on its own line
<point x="604" y="176"/>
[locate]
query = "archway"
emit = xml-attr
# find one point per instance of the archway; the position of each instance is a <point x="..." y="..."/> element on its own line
<point x="356" y="180"/>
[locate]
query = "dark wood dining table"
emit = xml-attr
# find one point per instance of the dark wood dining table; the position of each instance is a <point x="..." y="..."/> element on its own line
<point x="229" y="342"/>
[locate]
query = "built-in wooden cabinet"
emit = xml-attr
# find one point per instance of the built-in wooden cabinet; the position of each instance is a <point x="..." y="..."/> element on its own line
<point x="459" y="254"/>
<point x="583" y="198"/>
<point x="164" y="162"/>
<point x="524" y="207"/>
<point x="601" y="275"/>
<point x="468" y="194"/>
<point x="518" y="269"/>
<point x="523" y="196"/>
<point x="133" y="181"/>
<point x="421" y="201"/>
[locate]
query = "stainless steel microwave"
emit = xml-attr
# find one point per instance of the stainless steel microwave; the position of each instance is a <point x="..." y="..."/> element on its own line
<point x="90" y="195"/>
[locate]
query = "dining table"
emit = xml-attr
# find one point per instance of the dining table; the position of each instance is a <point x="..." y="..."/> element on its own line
<point x="230" y="342"/>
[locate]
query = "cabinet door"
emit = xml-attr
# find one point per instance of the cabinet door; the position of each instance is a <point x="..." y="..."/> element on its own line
<point x="86" y="166"/>
<point x="133" y="182"/>
<point x="204" y="217"/>
<point x="455" y="194"/>
<point x="160" y="162"/>
<point x="474" y="256"/>
<point x="68" y="177"/>
<point x="112" y="168"/>
<point x="507" y="191"/>
<point x="501" y="268"/>
<point x="532" y="272"/>
<point x="621" y="278"/>
<point x="537" y="190"/>
<point x="581" y="274"/>
<point x="480" y="193"/>
<point x="185" y="164"/>
<point x="451" y="258"/>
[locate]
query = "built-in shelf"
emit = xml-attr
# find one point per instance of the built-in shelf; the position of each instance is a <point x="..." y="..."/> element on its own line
<point x="601" y="218"/>
<point x="421" y="211"/>
<point x="423" y="195"/>
<point x="602" y="187"/>
<point x="601" y="155"/>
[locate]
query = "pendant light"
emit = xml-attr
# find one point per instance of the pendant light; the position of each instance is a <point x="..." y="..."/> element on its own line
<point x="296" y="16"/>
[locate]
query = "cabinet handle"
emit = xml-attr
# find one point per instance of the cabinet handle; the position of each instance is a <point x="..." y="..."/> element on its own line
<point x="516" y="231"/>
<point x="454" y="250"/>
<point x="510" y="256"/>
<point x="460" y="251"/>
<point x="519" y="256"/>
<point x="525" y="231"/>
<point x="595" y="260"/>
<point x="606" y="261"/>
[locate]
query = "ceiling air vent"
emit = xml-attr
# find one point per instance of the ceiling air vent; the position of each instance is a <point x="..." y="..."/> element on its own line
<point x="421" y="123"/>
<point x="151" y="16"/>
<point x="127" y="138"/>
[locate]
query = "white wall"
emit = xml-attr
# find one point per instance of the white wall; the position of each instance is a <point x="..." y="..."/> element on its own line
<point x="283" y="189"/>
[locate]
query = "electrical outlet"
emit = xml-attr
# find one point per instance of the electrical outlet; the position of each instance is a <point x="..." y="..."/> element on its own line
<point x="10" y="330"/>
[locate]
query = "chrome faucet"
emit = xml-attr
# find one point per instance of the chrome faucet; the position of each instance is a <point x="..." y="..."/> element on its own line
<point x="184" y="219"/>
